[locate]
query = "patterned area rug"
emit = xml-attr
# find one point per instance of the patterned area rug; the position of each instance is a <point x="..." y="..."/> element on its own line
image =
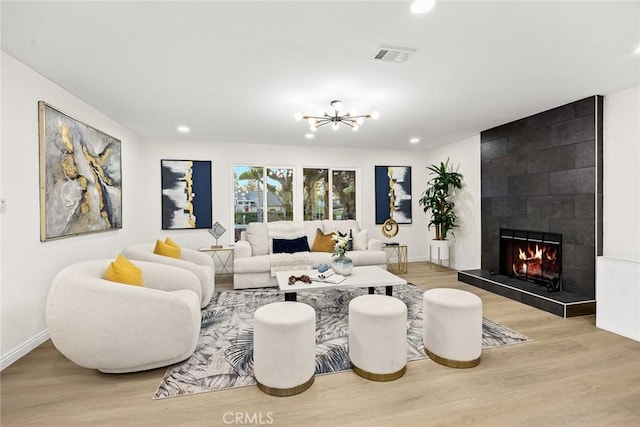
<point x="224" y="355"/>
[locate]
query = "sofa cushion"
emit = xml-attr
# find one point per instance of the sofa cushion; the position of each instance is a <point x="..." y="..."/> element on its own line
<point x="310" y="228"/>
<point x="360" y="239"/>
<point x="323" y="242"/>
<point x="329" y="226"/>
<point x="368" y="257"/>
<point x="290" y="246"/>
<point x="284" y="230"/>
<point x="258" y="238"/>
<point x="255" y="264"/>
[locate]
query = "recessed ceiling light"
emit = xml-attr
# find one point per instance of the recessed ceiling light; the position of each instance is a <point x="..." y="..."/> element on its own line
<point x="422" y="6"/>
<point x="183" y="129"/>
<point x="309" y="136"/>
<point x="414" y="140"/>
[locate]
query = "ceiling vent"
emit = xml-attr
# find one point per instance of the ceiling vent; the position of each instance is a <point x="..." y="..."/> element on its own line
<point x="393" y="54"/>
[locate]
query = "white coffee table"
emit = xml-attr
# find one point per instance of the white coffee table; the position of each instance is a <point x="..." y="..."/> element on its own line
<point x="361" y="277"/>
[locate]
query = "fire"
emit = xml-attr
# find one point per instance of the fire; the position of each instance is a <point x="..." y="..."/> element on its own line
<point x="537" y="254"/>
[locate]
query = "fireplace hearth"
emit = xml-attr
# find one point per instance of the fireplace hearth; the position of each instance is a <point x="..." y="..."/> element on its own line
<point x="532" y="256"/>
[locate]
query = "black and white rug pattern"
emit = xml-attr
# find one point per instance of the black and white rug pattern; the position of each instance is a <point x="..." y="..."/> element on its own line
<point x="224" y="355"/>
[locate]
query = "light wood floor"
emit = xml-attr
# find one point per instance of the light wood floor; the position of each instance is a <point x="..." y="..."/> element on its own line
<point x="571" y="374"/>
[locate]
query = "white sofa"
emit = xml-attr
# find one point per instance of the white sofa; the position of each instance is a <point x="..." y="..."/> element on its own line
<point x="193" y="260"/>
<point x="115" y="328"/>
<point x="252" y="260"/>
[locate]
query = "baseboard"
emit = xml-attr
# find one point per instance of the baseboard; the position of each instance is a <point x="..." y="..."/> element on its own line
<point x="22" y="350"/>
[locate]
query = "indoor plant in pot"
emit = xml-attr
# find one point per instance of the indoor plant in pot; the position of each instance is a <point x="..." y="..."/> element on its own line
<point x="436" y="201"/>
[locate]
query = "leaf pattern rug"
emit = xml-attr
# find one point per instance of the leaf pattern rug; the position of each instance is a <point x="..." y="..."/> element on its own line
<point x="224" y="355"/>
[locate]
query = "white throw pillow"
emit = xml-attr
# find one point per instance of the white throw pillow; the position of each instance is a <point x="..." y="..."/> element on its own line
<point x="360" y="240"/>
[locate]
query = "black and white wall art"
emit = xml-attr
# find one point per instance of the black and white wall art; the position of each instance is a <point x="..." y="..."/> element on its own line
<point x="186" y="194"/>
<point x="393" y="194"/>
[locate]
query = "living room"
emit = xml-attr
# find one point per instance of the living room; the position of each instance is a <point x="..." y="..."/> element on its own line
<point x="28" y="265"/>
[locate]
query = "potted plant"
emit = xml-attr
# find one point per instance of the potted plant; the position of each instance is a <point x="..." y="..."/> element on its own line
<point x="436" y="201"/>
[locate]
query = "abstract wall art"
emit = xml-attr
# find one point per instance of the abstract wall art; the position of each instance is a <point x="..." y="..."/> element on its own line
<point x="80" y="177"/>
<point x="393" y="194"/>
<point x="186" y="194"/>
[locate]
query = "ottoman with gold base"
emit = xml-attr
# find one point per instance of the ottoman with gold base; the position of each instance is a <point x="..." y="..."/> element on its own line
<point x="378" y="337"/>
<point x="284" y="347"/>
<point x="452" y="329"/>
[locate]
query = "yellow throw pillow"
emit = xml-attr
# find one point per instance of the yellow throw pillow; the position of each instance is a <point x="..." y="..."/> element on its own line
<point x="169" y="241"/>
<point x="166" y="250"/>
<point x="122" y="273"/>
<point x="323" y="242"/>
<point x="124" y="262"/>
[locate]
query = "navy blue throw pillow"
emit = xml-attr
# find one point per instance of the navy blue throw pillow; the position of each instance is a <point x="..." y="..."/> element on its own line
<point x="290" y="246"/>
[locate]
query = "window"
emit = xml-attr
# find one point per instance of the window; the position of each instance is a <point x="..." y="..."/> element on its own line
<point x="262" y="194"/>
<point x="319" y="203"/>
<point x="344" y="194"/>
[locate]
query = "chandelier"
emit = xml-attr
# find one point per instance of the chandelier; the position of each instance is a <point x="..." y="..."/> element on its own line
<point x="336" y="117"/>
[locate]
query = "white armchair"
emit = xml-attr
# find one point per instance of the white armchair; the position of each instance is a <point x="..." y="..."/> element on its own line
<point x="114" y="327"/>
<point x="195" y="261"/>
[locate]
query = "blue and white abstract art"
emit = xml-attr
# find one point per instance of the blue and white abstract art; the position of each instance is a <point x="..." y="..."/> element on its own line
<point x="186" y="194"/>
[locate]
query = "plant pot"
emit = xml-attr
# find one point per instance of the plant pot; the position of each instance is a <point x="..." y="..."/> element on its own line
<point x="439" y="250"/>
<point x="342" y="265"/>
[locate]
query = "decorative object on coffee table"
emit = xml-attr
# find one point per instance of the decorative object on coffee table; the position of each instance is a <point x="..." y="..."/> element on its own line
<point x="341" y="263"/>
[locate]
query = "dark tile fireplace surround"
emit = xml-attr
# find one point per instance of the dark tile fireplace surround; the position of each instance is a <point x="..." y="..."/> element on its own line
<point x="542" y="175"/>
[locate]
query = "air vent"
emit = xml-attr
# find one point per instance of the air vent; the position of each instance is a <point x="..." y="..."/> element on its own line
<point x="393" y="54"/>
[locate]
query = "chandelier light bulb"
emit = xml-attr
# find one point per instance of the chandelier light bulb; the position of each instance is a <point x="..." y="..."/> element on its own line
<point x="375" y="115"/>
<point x="422" y="6"/>
<point x="298" y="116"/>
<point x="355" y="128"/>
<point x="335" y="126"/>
<point x="313" y="128"/>
<point x="311" y="121"/>
<point x="359" y="120"/>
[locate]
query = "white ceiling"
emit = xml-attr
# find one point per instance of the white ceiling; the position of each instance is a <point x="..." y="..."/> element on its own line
<point x="237" y="71"/>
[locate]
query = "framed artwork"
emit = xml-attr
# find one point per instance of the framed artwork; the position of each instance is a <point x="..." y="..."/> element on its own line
<point x="393" y="194"/>
<point x="80" y="177"/>
<point x="186" y="194"/>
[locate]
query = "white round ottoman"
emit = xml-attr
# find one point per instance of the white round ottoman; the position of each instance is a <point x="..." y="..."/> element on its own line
<point x="452" y="329"/>
<point x="378" y="337"/>
<point x="284" y="347"/>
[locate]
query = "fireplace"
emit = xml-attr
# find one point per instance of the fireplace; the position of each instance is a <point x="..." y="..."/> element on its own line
<point x="532" y="256"/>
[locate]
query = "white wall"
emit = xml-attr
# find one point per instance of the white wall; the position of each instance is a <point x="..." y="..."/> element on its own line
<point x="465" y="158"/>
<point x="621" y="206"/>
<point x="26" y="264"/>
<point x="618" y="271"/>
